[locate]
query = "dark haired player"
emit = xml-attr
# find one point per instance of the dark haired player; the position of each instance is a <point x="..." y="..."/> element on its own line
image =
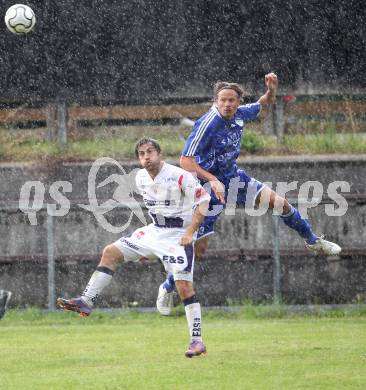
<point x="177" y="204"/>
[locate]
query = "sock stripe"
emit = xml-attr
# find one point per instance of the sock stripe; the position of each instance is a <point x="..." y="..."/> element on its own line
<point x="289" y="213"/>
<point x="301" y="225"/>
<point x="105" y="270"/>
<point x="190" y="300"/>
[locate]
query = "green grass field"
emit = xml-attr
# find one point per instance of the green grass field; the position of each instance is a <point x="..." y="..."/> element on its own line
<point x="22" y="145"/>
<point x="129" y="350"/>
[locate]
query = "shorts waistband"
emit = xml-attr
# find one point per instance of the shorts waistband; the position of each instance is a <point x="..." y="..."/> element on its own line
<point x="168" y="222"/>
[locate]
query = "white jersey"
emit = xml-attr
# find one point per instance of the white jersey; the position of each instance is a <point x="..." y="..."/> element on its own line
<point x="172" y="196"/>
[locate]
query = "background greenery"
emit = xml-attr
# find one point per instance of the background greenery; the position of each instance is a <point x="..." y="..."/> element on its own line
<point x="28" y="145"/>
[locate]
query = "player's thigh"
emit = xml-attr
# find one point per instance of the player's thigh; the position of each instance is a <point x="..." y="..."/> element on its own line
<point x="177" y="260"/>
<point x="140" y="244"/>
<point x="111" y="257"/>
<point x="249" y="189"/>
<point x="112" y="253"/>
<point x="200" y="245"/>
<point x="269" y="198"/>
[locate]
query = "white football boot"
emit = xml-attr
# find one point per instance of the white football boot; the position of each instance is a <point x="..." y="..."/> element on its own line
<point x="164" y="301"/>
<point x="324" y="247"/>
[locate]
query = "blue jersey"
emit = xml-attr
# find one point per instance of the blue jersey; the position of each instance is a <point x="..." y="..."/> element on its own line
<point x="215" y="141"/>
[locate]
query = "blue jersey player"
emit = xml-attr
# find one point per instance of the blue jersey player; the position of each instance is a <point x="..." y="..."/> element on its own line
<point x="211" y="152"/>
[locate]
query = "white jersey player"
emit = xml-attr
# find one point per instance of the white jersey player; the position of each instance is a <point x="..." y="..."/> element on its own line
<point x="177" y="204"/>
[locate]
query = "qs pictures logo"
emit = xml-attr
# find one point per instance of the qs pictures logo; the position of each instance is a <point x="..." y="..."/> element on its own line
<point x="32" y="197"/>
<point x="123" y="195"/>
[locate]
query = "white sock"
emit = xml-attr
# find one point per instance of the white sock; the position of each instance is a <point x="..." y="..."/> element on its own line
<point x="98" y="281"/>
<point x="193" y="314"/>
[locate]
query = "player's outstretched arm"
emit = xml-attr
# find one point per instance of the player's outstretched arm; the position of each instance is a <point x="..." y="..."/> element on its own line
<point x="189" y="164"/>
<point x="197" y="219"/>
<point x="269" y="97"/>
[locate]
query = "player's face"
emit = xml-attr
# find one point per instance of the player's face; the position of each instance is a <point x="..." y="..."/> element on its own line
<point x="149" y="157"/>
<point x="227" y="103"/>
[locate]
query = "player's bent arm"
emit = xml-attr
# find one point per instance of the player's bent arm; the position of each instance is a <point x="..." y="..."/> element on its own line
<point x="267" y="99"/>
<point x="197" y="219"/>
<point x="270" y="96"/>
<point x="189" y="164"/>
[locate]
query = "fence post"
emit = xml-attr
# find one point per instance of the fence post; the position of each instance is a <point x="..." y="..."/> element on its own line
<point x="276" y="260"/>
<point x="267" y="121"/>
<point x="57" y="123"/>
<point x="50" y="263"/>
<point x="51" y="121"/>
<point x="279" y="118"/>
<point x="274" y="119"/>
<point x="61" y="119"/>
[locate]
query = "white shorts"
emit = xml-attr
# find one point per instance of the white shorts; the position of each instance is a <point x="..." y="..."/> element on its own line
<point x="155" y="242"/>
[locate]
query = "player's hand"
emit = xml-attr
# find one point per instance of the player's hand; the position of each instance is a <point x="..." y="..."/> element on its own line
<point x="271" y="81"/>
<point x="186" y="239"/>
<point x="219" y="190"/>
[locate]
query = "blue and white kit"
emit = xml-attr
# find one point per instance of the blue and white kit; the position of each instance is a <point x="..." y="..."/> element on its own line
<point x="171" y="198"/>
<point x="215" y="144"/>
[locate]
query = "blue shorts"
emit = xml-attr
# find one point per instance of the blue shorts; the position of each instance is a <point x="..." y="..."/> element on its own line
<point x="246" y="194"/>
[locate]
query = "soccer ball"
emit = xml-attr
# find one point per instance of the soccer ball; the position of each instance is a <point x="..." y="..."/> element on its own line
<point x="20" y="19"/>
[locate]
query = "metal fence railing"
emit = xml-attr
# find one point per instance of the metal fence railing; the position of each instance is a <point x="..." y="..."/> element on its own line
<point x="346" y="113"/>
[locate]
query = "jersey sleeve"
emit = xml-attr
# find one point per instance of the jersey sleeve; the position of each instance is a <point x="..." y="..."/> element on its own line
<point x="200" y="139"/>
<point x="192" y="189"/>
<point x="250" y="111"/>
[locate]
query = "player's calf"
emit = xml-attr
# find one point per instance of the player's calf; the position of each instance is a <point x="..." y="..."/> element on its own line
<point x="194" y="318"/>
<point x="100" y="279"/>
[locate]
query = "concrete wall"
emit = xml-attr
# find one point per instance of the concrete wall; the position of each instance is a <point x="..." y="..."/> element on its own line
<point x="78" y="233"/>
<point x="218" y="281"/>
<point x="231" y="271"/>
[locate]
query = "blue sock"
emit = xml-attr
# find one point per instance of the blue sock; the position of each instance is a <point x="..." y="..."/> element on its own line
<point x="169" y="284"/>
<point x="295" y="221"/>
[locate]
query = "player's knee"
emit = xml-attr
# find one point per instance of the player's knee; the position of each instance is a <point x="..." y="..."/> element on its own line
<point x="281" y="205"/>
<point x="111" y="256"/>
<point x="286" y="206"/>
<point x="277" y="203"/>
<point x="184" y="288"/>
